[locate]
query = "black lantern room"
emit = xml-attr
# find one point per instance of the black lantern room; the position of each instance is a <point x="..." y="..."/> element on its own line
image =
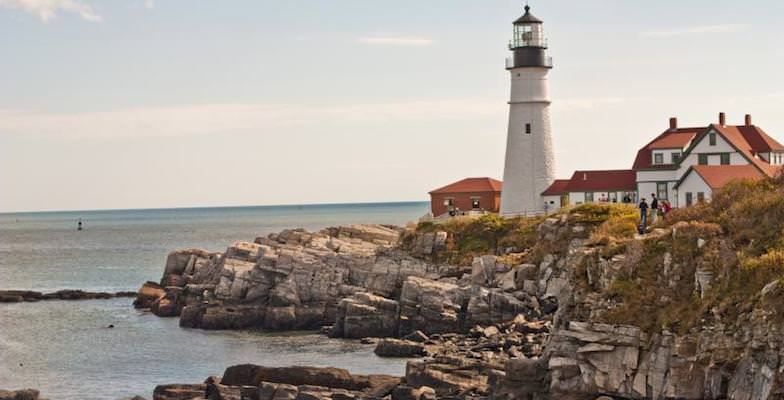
<point x="528" y="43"/>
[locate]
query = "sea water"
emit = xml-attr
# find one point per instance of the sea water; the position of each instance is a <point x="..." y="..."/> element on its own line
<point x="66" y="350"/>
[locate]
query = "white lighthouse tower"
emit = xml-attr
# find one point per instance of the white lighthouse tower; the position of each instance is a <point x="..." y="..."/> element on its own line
<point x="530" y="164"/>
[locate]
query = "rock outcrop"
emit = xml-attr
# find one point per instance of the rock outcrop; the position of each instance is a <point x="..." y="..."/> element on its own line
<point x="353" y="277"/>
<point x="26" y="394"/>
<point x="18" y="296"/>
<point x="581" y="313"/>
<point x="256" y="382"/>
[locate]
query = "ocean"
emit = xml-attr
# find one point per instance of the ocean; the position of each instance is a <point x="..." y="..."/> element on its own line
<point x="66" y="350"/>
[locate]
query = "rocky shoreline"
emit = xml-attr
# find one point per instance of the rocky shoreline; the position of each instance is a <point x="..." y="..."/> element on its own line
<point x="18" y="296"/>
<point x="524" y="323"/>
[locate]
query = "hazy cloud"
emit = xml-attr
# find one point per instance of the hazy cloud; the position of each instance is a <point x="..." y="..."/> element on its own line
<point x="396" y="41"/>
<point x="48" y="9"/>
<point x="238" y="118"/>
<point x="696" y="30"/>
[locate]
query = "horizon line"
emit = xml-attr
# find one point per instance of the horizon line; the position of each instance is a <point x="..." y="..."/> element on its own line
<point x="362" y="203"/>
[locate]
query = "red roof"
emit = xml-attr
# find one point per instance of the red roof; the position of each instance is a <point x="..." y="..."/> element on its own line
<point x="759" y="140"/>
<point x="599" y="181"/>
<point x="471" y="185"/>
<point x="716" y="176"/>
<point x="557" y="188"/>
<point x="669" y="139"/>
<point x="749" y="141"/>
<point x="673" y="140"/>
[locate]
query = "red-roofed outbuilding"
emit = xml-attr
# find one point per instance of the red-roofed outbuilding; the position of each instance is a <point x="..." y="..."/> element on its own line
<point x="469" y="194"/>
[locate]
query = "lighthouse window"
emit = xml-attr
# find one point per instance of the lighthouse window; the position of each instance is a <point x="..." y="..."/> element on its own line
<point x="528" y="129"/>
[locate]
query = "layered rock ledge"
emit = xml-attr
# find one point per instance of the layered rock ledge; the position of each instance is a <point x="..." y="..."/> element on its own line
<point x="353" y="277"/>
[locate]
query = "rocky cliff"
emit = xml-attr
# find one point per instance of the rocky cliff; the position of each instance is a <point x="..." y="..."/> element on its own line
<point x="573" y="306"/>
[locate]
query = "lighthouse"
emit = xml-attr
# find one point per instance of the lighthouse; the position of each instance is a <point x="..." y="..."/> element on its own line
<point x="529" y="167"/>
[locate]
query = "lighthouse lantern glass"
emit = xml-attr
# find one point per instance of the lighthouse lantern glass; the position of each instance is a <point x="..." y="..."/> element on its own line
<point x="526" y="35"/>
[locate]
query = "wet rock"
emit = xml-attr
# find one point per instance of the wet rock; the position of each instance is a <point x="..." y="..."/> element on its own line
<point x="179" y="392"/>
<point x="148" y="294"/>
<point x="17" y="296"/>
<point x="416" y="336"/>
<point x="25" y="394"/>
<point x="168" y="305"/>
<point x="405" y="392"/>
<point x="399" y="348"/>
<point x="334" y="378"/>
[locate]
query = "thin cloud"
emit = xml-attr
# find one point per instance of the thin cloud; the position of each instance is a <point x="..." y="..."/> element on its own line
<point x="238" y="118"/>
<point x="46" y="10"/>
<point x="397" y="41"/>
<point x="696" y="30"/>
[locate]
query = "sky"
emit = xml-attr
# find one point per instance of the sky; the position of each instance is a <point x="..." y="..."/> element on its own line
<point x="108" y="104"/>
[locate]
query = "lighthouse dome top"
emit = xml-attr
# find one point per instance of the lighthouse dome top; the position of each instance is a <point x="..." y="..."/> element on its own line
<point x="527" y="18"/>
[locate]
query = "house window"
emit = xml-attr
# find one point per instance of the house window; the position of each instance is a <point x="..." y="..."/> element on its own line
<point x="661" y="190"/>
<point x="658" y="158"/>
<point x="528" y="129"/>
<point x="725" y="158"/>
<point x="449" y="202"/>
<point x="588" y="197"/>
<point x="712" y="138"/>
<point x="700" y="197"/>
<point x="475" y="203"/>
<point x="689" y="198"/>
<point x="675" y="157"/>
<point x="613" y="197"/>
<point x="703" y="159"/>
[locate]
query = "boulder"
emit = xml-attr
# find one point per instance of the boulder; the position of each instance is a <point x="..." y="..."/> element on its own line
<point x="333" y="378"/>
<point x="179" y="392"/>
<point x="25" y="394"/>
<point x="399" y="348"/>
<point x="416" y="336"/>
<point x="405" y="392"/>
<point x="148" y="294"/>
<point x="366" y="315"/>
<point x="168" y="305"/>
<point x="447" y="377"/>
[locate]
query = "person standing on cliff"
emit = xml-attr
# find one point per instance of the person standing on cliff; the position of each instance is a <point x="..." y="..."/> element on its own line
<point x="643" y="214"/>
<point x="654" y="208"/>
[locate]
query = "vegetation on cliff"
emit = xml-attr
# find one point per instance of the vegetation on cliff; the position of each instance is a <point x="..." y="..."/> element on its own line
<point x="703" y="263"/>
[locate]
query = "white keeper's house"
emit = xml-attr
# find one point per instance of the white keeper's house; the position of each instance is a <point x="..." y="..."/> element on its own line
<point x="682" y="165"/>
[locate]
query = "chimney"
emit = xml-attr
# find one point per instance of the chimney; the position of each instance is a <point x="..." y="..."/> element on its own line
<point x="722" y="119"/>
<point x="673" y="123"/>
<point x="748" y="119"/>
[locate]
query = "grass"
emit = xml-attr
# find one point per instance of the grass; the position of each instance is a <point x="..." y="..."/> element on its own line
<point x="744" y="231"/>
<point x="492" y="234"/>
<point x="470" y="237"/>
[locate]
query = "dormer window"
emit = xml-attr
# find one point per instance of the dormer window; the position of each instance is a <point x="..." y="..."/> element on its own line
<point x="658" y="158"/>
<point x="675" y="157"/>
